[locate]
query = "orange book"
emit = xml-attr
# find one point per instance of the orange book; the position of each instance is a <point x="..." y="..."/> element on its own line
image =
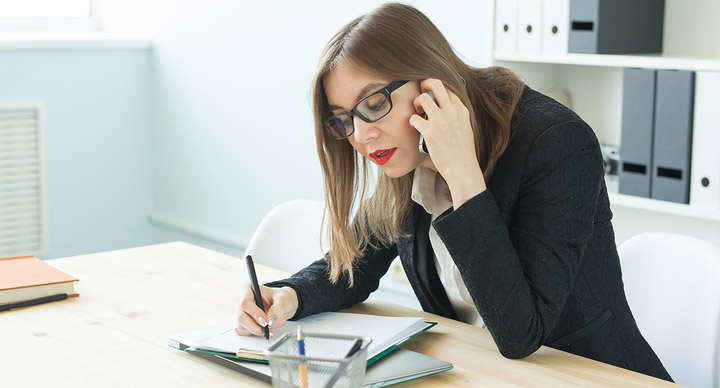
<point x="27" y="277"/>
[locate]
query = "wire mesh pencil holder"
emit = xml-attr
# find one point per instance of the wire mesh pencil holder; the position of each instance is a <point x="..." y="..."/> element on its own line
<point x="325" y="361"/>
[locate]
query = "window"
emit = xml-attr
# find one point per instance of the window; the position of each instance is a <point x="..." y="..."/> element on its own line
<point x="48" y="15"/>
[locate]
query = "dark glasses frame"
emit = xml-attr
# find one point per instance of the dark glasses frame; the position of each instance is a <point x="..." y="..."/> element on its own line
<point x="391" y="87"/>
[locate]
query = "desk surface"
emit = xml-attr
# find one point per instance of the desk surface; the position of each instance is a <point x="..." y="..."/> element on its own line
<point x="116" y="332"/>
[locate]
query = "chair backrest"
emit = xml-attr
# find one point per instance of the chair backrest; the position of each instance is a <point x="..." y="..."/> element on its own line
<point x="672" y="283"/>
<point x="289" y="236"/>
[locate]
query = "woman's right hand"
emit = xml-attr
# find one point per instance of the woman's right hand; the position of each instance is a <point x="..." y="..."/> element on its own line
<point x="280" y="305"/>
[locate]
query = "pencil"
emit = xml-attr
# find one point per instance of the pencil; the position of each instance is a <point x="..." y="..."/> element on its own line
<point x="303" y="366"/>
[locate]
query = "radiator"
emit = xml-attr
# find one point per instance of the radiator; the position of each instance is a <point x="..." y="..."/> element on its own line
<point x="23" y="209"/>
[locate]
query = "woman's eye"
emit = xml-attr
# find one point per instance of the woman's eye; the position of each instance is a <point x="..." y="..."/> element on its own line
<point x="380" y="105"/>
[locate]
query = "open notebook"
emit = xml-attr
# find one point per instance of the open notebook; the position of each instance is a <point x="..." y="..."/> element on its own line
<point x="394" y="365"/>
<point x="386" y="333"/>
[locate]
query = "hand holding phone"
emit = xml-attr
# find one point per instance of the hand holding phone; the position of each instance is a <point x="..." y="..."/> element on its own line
<point x="421" y="145"/>
<point x="449" y="126"/>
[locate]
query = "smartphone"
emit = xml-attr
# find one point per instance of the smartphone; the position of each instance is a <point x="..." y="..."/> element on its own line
<point x="421" y="145"/>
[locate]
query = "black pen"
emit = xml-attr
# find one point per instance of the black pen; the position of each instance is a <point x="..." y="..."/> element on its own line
<point x="341" y="368"/>
<point x="32" y="302"/>
<point x="256" y="291"/>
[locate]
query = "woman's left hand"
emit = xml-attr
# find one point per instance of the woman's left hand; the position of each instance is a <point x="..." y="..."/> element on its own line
<point x="450" y="140"/>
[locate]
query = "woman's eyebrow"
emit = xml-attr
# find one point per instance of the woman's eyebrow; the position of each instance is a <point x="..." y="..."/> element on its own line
<point x="363" y="93"/>
<point x="368" y="88"/>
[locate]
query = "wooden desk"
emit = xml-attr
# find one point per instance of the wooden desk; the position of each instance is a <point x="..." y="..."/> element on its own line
<point x="115" y="334"/>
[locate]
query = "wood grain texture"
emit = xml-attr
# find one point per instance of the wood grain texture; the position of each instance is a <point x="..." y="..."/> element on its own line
<point x="115" y="334"/>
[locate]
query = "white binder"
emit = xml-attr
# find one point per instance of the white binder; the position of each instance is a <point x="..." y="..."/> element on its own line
<point x="556" y="26"/>
<point x="705" y="165"/>
<point x="530" y="27"/>
<point x="506" y="27"/>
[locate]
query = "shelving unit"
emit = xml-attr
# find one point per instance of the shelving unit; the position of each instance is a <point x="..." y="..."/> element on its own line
<point x="644" y="61"/>
<point x="669" y="208"/>
<point x="593" y="83"/>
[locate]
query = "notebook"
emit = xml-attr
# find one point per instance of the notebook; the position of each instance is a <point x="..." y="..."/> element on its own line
<point x="27" y="277"/>
<point x="386" y="332"/>
<point x="398" y="366"/>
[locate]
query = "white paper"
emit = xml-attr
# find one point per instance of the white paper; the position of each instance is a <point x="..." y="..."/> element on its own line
<point x="384" y="332"/>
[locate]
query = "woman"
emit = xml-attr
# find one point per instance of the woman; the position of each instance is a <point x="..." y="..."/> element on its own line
<point x="505" y="224"/>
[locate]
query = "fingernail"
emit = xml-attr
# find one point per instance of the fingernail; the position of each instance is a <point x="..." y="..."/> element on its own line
<point x="272" y="320"/>
<point x="262" y="322"/>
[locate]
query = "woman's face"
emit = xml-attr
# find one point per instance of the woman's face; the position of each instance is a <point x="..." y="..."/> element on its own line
<point x="391" y="142"/>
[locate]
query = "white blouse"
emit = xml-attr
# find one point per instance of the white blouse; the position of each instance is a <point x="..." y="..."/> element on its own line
<point x="428" y="191"/>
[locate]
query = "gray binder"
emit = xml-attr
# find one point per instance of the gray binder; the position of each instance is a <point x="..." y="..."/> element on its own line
<point x="616" y="26"/>
<point x="638" y="115"/>
<point x="673" y="135"/>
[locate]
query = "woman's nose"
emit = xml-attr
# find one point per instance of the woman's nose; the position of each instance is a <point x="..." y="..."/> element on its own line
<point x="364" y="132"/>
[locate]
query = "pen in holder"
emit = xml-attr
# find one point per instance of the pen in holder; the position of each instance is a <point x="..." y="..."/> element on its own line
<point x="329" y="361"/>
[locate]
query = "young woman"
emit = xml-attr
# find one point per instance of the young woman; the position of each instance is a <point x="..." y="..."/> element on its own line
<point x="492" y="195"/>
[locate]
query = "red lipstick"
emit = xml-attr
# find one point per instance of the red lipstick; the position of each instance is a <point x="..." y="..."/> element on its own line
<point x="382" y="156"/>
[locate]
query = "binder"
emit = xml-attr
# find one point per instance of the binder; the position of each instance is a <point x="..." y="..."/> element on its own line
<point x="673" y="135"/>
<point x="638" y="115"/>
<point x="616" y="26"/>
<point x="705" y="173"/>
<point x="530" y="26"/>
<point x="506" y="31"/>
<point x="582" y="37"/>
<point x="556" y="25"/>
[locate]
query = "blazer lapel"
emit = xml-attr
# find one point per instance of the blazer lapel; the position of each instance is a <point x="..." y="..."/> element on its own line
<point x="418" y="261"/>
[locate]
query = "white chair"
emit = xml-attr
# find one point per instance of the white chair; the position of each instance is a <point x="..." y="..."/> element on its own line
<point x="289" y="236"/>
<point x="672" y="284"/>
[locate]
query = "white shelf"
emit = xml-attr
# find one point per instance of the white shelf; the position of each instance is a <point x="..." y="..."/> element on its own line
<point x="594" y="83"/>
<point x="642" y="61"/>
<point x="678" y="209"/>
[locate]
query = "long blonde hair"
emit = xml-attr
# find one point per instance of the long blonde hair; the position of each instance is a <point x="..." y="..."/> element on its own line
<point x="398" y="42"/>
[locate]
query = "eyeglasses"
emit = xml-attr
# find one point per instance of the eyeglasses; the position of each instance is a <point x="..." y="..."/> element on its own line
<point x="370" y="109"/>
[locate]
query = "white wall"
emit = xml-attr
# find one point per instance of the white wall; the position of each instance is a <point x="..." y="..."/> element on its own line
<point x="97" y="142"/>
<point x="233" y="135"/>
<point x="127" y="18"/>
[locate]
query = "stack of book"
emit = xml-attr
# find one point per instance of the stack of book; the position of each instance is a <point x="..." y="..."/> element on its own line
<point x="27" y="280"/>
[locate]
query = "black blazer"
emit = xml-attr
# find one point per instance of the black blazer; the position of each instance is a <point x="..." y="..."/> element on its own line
<point x="536" y="250"/>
